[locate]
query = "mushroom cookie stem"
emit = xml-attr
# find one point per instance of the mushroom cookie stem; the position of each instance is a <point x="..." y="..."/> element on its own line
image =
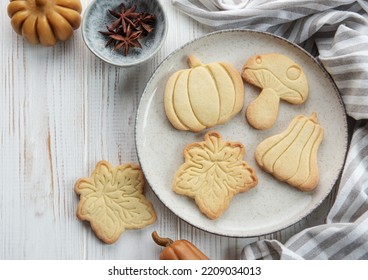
<point x="262" y="112"/>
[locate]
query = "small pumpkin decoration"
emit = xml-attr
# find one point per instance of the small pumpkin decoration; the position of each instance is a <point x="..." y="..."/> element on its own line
<point x="204" y="95"/>
<point x="178" y="250"/>
<point x="45" y="21"/>
<point x="291" y="156"/>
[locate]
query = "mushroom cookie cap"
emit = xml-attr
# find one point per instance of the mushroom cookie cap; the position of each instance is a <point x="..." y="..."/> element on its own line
<point x="278" y="72"/>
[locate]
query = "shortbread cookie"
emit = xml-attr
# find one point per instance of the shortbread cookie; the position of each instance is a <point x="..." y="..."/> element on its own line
<point x="204" y="95"/>
<point x="213" y="172"/>
<point x="291" y="156"/>
<point x="112" y="200"/>
<point x="279" y="77"/>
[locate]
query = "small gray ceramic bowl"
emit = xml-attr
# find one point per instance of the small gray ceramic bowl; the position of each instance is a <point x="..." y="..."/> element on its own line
<point x="96" y="17"/>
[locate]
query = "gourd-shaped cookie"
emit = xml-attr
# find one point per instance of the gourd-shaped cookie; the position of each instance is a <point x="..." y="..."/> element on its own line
<point x="291" y="156"/>
<point x="213" y="172"/>
<point x="45" y="21"/>
<point x="280" y="78"/>
<point x="204" y="95"/>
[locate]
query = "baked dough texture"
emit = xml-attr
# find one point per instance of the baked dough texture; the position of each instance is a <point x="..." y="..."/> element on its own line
<point x="112" y="200"/>
<point x="280" y="78"/>
<point x="213" y="172"/>
<point x="203" y="96"/>
<point x="291" y="156"/>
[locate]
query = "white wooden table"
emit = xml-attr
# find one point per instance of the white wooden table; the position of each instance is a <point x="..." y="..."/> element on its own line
<point x="61" y="111"/>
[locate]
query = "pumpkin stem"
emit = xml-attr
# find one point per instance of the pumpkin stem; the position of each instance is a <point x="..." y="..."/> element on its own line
<point x="313" y="117"/>
<point x="193" y="61"/>
<point x="161" y="240"/>
<point x="41" y="3"/>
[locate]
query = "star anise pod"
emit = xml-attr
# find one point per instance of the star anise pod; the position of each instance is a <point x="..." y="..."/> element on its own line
<point x="146" y="21"/>
<point x="127" y="40"/>
<point x="128" y="27"/>
<point x="125" y="18"/>
<point x="110" y="31"/>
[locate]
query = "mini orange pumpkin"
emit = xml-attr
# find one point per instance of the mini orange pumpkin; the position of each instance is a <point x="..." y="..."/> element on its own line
<point x="45" y="21"/>
<point x="178" y="250"/>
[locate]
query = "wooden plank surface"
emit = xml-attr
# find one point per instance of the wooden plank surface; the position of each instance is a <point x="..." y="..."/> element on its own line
<point x="61" y="111"/>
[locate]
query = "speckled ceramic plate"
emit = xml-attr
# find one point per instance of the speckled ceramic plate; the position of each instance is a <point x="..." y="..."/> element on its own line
<point x="272" y="205"/>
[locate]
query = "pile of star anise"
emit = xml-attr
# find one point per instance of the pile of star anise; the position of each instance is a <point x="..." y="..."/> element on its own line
<point x="128" y="28"/>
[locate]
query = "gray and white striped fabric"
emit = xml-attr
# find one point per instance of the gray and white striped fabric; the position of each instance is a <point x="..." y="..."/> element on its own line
<point x="336" y="32"/>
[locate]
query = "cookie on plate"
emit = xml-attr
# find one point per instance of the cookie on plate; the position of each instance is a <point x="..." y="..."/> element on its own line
<point x="280" y="78"/>
<point x="291" y="156"/>
<point x="213" y="172"/>
<point x="112" y="200"/>
<point x="204" y="95"/>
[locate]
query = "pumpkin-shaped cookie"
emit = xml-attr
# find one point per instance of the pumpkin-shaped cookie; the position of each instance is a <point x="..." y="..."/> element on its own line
<point x="204" y="95"/>
<point x="45" y="21"/>
<point x="291" y="156"/>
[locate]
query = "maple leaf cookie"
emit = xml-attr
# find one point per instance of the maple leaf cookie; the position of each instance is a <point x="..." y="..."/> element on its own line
<point x="213" y="172"/>
<point x="112" y="200"/>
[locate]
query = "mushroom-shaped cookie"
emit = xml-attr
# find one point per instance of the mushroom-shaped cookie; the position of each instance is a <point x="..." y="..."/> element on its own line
<point x="279" y="77"/>
<point x="45" y="21"/>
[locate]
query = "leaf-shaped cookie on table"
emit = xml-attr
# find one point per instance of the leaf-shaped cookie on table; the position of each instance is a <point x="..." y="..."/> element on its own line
<point x="112" y="200"/>
<point x="213" y="172"/>
<point x="102" y="217"/>
<point x="132" y="180"/>
<point x="136" y="212"/>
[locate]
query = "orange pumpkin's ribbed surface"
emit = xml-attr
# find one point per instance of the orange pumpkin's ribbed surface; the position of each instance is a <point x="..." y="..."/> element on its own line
<point x="45" y="21"/>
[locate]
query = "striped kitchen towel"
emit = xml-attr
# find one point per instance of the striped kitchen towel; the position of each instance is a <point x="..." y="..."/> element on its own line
<point x="336" y="32"/>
